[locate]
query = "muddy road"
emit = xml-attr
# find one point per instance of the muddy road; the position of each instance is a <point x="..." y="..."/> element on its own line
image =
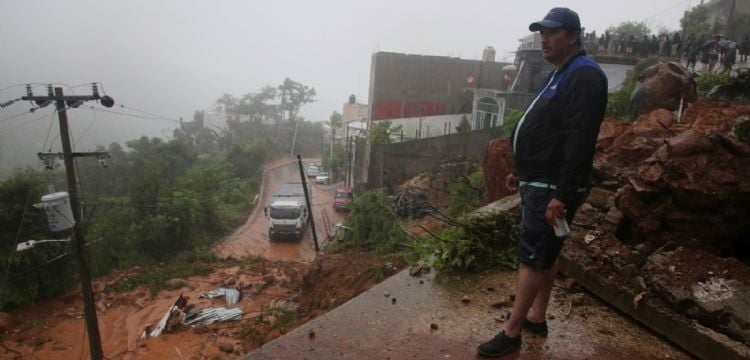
<point x="54" y="328"/>
<point x="251" y="239"/>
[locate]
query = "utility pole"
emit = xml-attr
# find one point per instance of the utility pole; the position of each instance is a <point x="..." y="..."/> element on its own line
<point x="350" y="174"/>
<point x="309" y="205"/>
<point x="348" y="156"/>
<point x="92" y="326"/>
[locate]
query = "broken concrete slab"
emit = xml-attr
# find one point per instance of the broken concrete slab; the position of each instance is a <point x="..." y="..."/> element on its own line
<point x="718" y="296"/>
<point x="699" y="340"/>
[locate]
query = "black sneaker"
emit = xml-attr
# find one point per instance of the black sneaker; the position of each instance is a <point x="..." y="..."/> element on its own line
<point x="538" y="329"/>
<point x="500" y="345"/>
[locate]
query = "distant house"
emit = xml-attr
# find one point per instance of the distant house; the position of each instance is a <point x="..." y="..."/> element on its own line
<point x="429" y="95"/>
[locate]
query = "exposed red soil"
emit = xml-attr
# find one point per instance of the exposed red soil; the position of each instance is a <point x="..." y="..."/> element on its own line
<point x="663" y="186"/>
<point x="54" y="328"/>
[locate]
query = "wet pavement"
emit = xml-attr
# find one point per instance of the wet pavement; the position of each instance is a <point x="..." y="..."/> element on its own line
<point x="251" y="239"/>
<point x="445" y="316"/>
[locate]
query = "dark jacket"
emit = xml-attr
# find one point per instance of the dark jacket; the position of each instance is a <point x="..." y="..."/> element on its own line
<point x="554" y="141"/>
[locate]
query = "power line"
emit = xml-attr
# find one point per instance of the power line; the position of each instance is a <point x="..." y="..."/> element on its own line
<point x="131" y="115"/>
<point x="4" y="131"/>
<point x="679" y="3"/>
<point x="91" y="124"/>
<point x="148" y="113"/>
<point x="14" y="116"/>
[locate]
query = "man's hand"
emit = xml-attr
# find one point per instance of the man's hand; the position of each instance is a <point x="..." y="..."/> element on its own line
<point x="511" y="182"/>
<point x="555" y="210"/>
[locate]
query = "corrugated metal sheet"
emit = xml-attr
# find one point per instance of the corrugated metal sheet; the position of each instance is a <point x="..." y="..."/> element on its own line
<point x="211" y="315"/>
<point x="232" y="295"/>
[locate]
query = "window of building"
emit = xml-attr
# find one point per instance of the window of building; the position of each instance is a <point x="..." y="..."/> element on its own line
<point x="486" y="113"/>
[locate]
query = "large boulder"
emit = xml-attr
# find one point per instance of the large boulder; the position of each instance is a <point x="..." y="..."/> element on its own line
<point x="662" y="86"/>
<point x="498" y="163"/>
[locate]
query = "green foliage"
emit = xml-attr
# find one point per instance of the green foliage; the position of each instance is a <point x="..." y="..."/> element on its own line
<point x="28" y="275"/>
<point x="293" y="96"/>
<point x="165" y="201"/>
<point x="284" y="319"/>
<point x="474" y="244"/>
<point x="695" y="21"/>
<point x="618" y="103"/>
<point x="510" y="121"/>
<point x="248" y="157"/>
<point x="335" y="163"/>
<point x="741" y="129"/>
<point x="373" y="225"/>
<point x="464" y="125"/>
<point x="638" y="29"/>
<point x="706" y="81"/>
<point x="467" y="194"/>
<point x="382" y="131"/>
<point x="155" y="276"/>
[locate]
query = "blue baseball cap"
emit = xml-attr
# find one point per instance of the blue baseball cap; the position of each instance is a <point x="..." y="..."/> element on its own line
<point x="558" y="17"/>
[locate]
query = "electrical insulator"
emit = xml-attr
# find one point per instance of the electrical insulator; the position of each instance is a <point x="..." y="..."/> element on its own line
<point x="107" y="101"/>
<point x="95" y="90"/>
<point x="74" y="104"/>
<point x="28" y="90"/>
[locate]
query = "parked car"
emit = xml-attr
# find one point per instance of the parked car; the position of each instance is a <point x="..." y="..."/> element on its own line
<point x="322" y="178"/>
<point x="312" y="171"/>
<point x="344" y="197"/>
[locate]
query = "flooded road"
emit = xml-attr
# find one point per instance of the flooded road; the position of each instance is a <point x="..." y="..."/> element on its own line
<point x="251" y="239"/>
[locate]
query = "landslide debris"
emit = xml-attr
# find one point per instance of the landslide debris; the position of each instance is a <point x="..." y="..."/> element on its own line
<point x="667" y="217"/>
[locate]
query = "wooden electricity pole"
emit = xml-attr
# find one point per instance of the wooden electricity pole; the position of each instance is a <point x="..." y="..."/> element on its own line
<point x="92" y="325"/>
<point x="309" y="203"/>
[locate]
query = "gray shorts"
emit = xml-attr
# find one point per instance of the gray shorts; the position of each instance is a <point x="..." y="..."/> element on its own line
<point x="538" y="246"/>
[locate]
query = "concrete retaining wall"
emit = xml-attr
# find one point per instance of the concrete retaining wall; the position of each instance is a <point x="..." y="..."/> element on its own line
<point x="392" y="164"/>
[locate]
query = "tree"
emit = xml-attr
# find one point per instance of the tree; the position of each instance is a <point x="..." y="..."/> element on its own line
<point x="463" y="126"/>
<point x="293" y="96"/>
<point x="335" y="123"/>
<point x="256" y="105"/>
<point x="637" y="29"/>
<point x="335" y="162"/>
<point x="228" y="104"/>
<point x="381" y="132"/>
<point x="695" y="21"/>
<point x="34" y="273"/>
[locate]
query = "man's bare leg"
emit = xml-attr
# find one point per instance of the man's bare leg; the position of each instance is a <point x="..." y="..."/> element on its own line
<point x="530" y="281"/>
<point x="538" y="311"/>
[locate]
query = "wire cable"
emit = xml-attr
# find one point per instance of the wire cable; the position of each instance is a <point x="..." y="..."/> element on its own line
<point x="5" y="131"/>
<point x="23" y="217"/>
<point x="679" y="3"/>
<point x="130" y="115"/>
<point x="91" y="124"/>
<point x="148" y="113"/>
<point x="15" y="116"/>
<point x="49" y="130"/>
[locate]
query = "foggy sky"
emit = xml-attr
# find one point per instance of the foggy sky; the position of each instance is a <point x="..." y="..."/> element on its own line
<point x="172" y="57"/>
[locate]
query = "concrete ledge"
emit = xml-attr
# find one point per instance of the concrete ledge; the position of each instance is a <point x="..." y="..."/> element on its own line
<point x="691" y="336"/>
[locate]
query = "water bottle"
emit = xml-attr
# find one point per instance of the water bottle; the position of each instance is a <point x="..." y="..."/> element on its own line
<point x="561" y="227"/>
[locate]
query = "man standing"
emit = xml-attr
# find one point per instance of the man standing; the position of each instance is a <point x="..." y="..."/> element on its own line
<point x="553" y="147"/>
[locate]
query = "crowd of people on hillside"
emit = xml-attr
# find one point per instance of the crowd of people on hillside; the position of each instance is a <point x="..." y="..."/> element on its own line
<point x="710" y="51"/>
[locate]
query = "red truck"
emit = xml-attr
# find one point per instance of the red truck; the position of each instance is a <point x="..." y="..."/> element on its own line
<point x="344" y="196"/>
